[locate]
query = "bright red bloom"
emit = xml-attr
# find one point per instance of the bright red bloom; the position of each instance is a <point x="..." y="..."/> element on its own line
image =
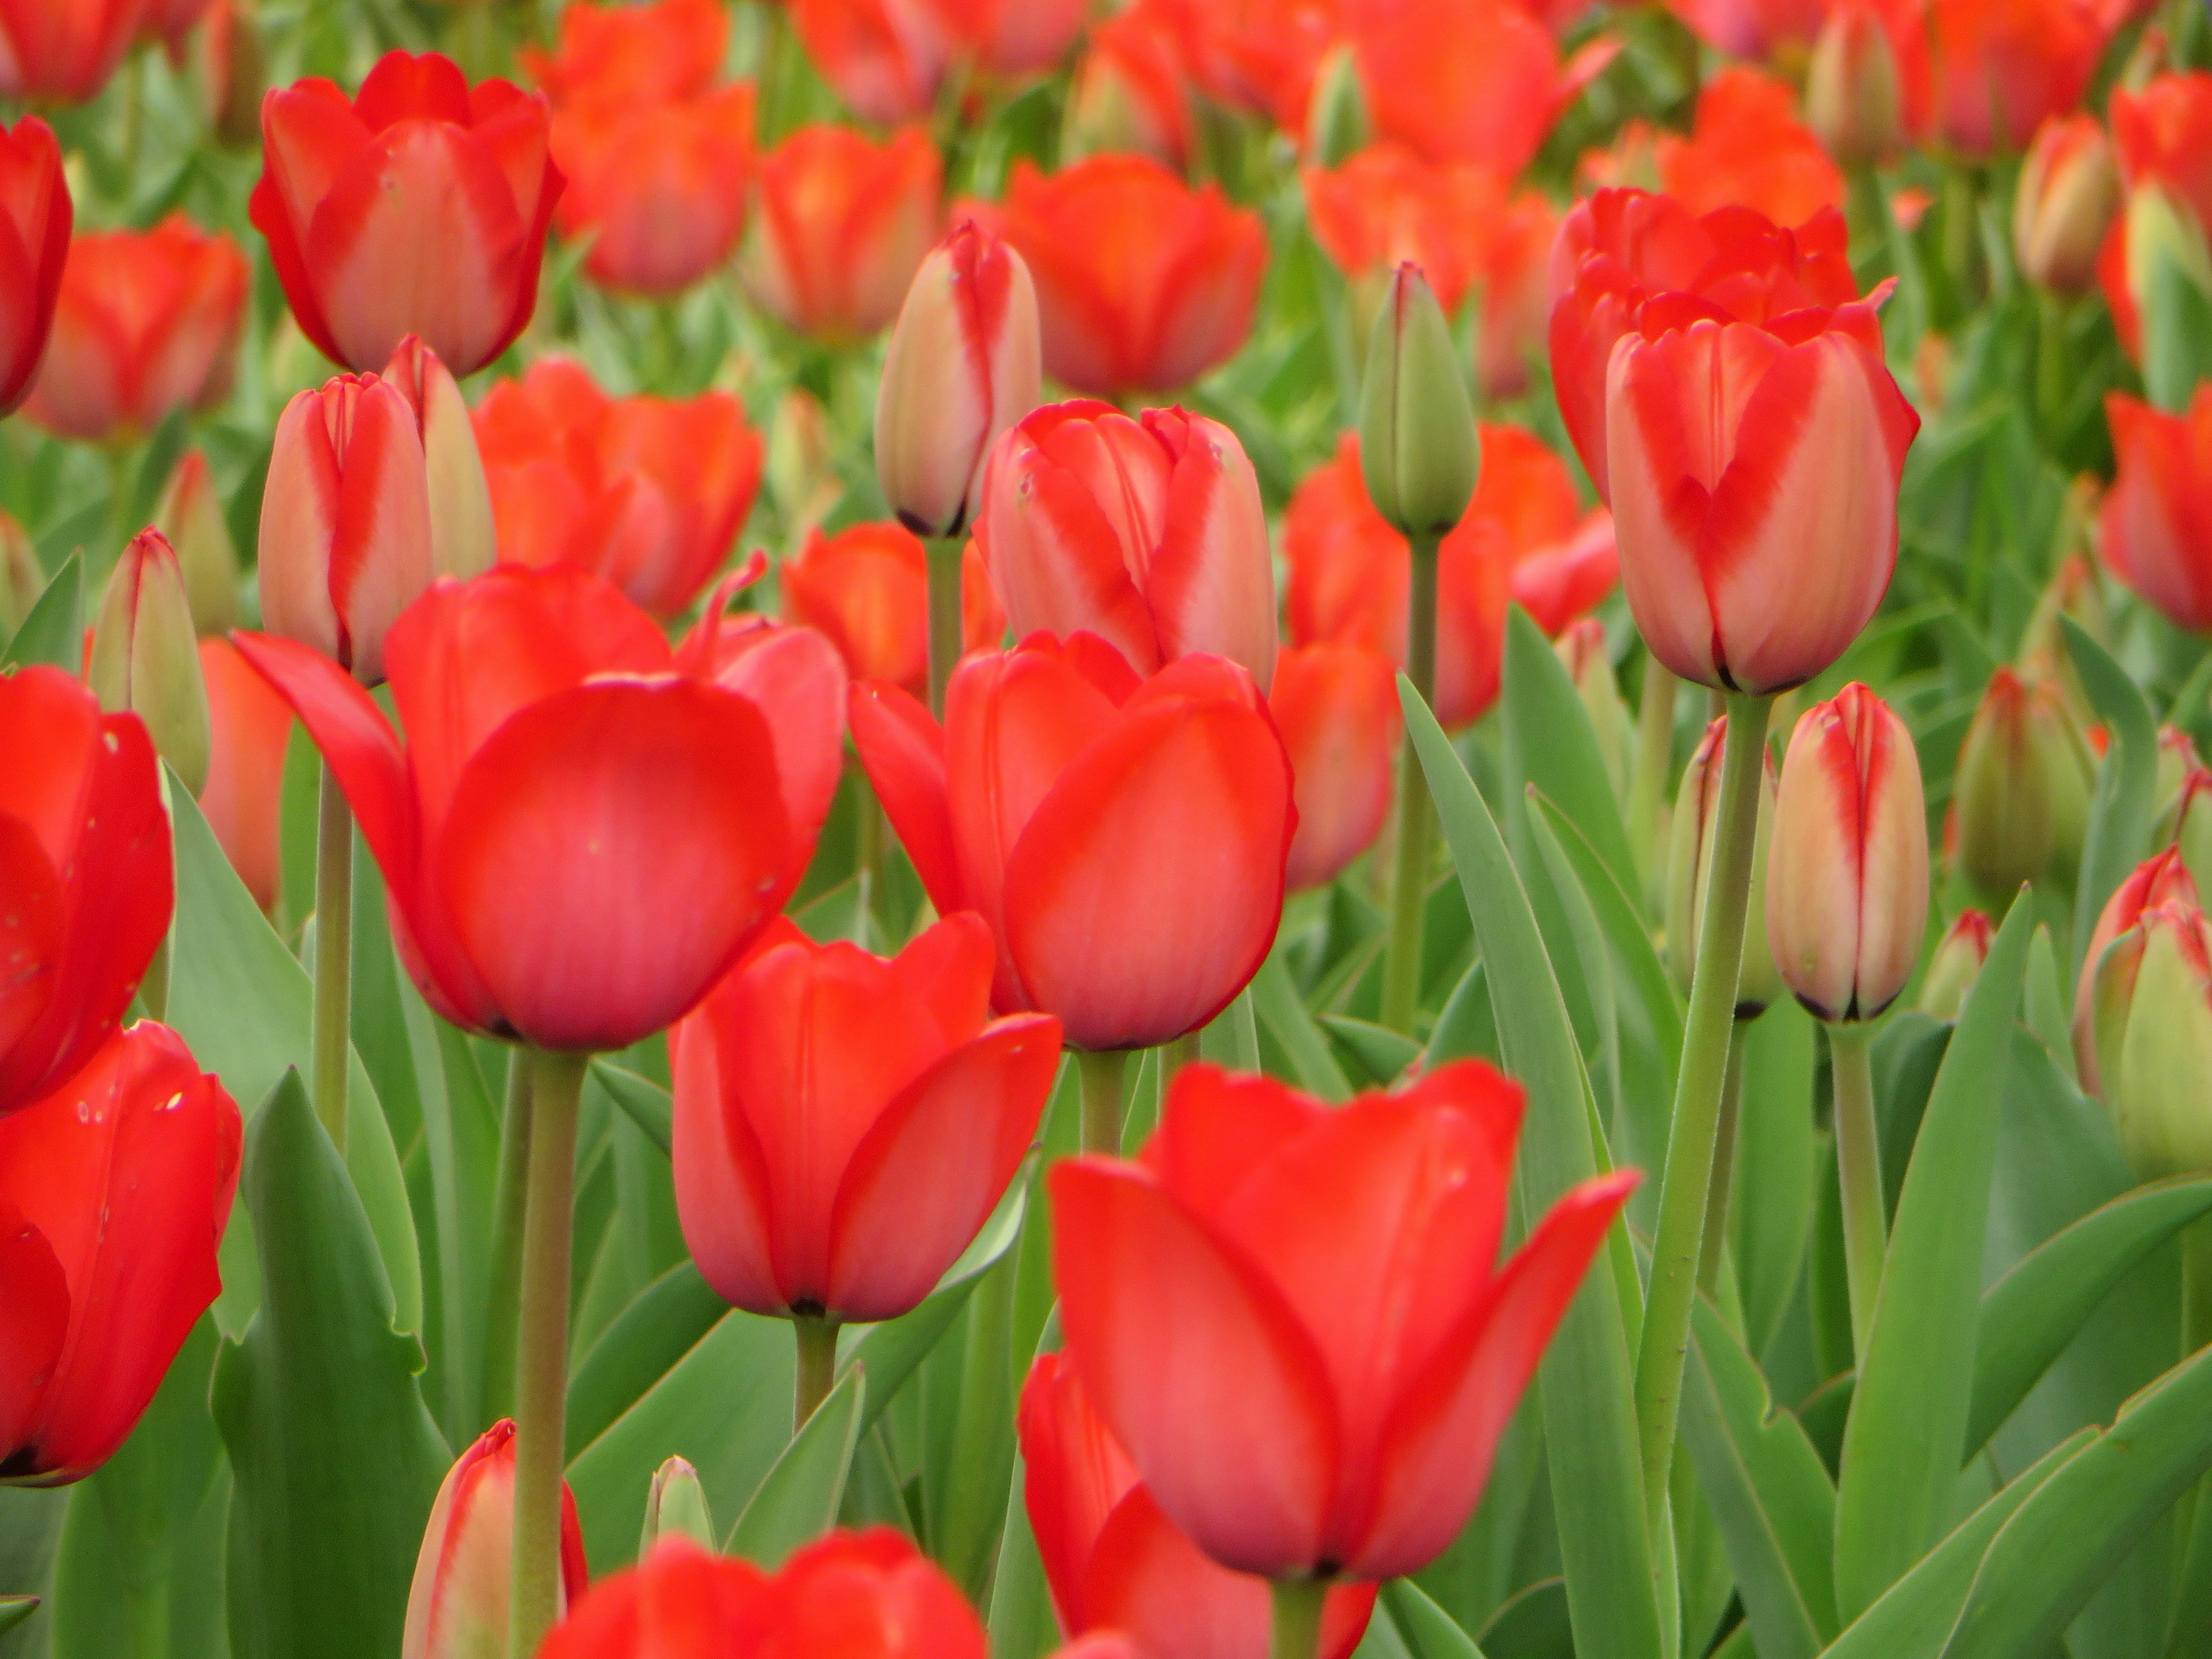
<point x="457" y="1607"/>
<point x="1749" y="149"/>
<point x="1336" y="707"/>
<point x="866" y="590"/>
<point x="2001" y="68"/>
<point x="1291" y="1318"/>
<point x="249" y="726"/>
<point x="650" y="492"/>
<point x="84" y="860"/>
<point x="1114" y="1562"/>
<point x="1124" y="839"/>
<point x="576" y="841"/>
<point x="35" y="218"/>
<point x="2164" y="136"/>
<point x="114" y="1188"/>
<point x="886" y="59"/>
<point x="1129" y="91"/>
<point x="842" y="225"/>
<point x="1524" y="538"/>
<point x="666" y="49"/>
<point x="1143" y="283"/>
<point x="2161" y="878"/>
<point x="62" y="51"/>
<point x="419" y="207"/>
<point x="2155" y="528"/>
<point x="1260" y="55"/>
<point x="144" y="323"/>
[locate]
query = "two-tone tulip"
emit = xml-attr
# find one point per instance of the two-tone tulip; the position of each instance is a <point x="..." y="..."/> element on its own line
<point x="1955" y="966"/>
<point x="1336" y="707"/>
<point x="2155" y="526"/>
<point x="841" y="223"/>
<point x="2163" y="878"/>
<point x="145" y="658"/>
<point x="866" y="590"/>
<point x="2151" y="1017"/>
<point x="457" y="1607"/>
<point x="2067" y="196"/>
<point x="191" y="514"/>
<point x="36" y="216"/>
<point x="1693" y="833"/>
<point x="2020" y="795"/>
<point x="463" y="539"/>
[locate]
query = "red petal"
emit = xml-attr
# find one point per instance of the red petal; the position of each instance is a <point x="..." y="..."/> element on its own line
<point x="901" y="749"/>
<point x="1073" y="1474"/>
<point x="721" y="1175"/>
<point x="33" y="1324"/>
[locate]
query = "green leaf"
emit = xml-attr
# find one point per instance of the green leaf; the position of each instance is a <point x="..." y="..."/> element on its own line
<point x="1021" y="1623"/>
<point x="1770" y="1216"/>
<point x="53" y="632"/>
<point x="1906" y="1436"/>
<point x="1467" y="1025"/>
<point x="1381" y="1051"/>
<point x="15" y="1610"/>
<point x="335" y="1456"/>
<point x="155" y="463"/>
<point x="799" y="1496"/>
<point x="1550" y="745"/>
<point x="644" y="1343"/>
<point x="1533" y="1624"/>
<point x="1429" y="1631"/>
<point x="1584" y="1383"/>
<point x="2120" y="810"/>
<point x="1275" y="1000"/>
<point x="647" y="1103"/>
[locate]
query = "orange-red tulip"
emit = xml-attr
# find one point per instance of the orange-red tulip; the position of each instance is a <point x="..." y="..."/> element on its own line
<point x="1124" y="839"/>
<point x="1129" y="91"/>
<point x="114" y="1188"/>
<point x="2163" y="878"/>
<point x="145" y="323"/>
<point x="1261" y="56"/>
<point x="2163" y="135"/>
<point x="866" y="590"/>
<point x="1143" y="283"/>
<point x="576" y="841"/>
<point x="1114" y="1562"/>
<point x="1749" y="149"/>
<point x="663" y="51"/>
<point x="840" y="225"/>
<point x="249" y="726"/>
<point x="2067" y="200"/>
<point x="1291" y="1318"/>
<point x="2156" y="524"/>
<point x="35" y="217"/>
<point x="2001" y="68"/>
<point x="1386" y="207"/>
<point x="1336" y="705"/>
<point x="886" y="59"/>
<point x="457" y="1608"/>
<point x="62" y="51"/>
<point x="418" y="207"/>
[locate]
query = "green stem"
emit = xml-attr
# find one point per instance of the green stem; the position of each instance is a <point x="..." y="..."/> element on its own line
<point x="1715" y="1248"/>
<point x="1100" y="1072"/>
<point x="1654" y="764"/>
<point x="330" y="1042"/>
<point x="541" y="1381"/>
<point x="1858" y="1173"/>
<point x="1961" y="209"/>
<point x="817" y="1365"/>
<point x="1296" y="1628"/>
<point x="2189" y="1632"/>
<point x="1698" y="1088"/>
<point x="944" y="616"/>
<point x="503" y="1294"/>
<point x="1409" y="879"/>
<point x="1174" y="1056"/>
<point x="2050" y="312"/>
<point x="1868" y="218"/>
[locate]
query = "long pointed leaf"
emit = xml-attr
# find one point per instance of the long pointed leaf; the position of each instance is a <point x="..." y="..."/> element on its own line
<point x="799" y="1496"/>
<point x="2120" y="811"/>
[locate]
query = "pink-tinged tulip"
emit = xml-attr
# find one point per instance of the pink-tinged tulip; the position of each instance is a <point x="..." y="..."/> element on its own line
<point x="1143" y="283"/>
<point x="1149" y="534"/>
<point x="1124" y="839"/>
<point x="463" y="541"/>
<point x="457" y="1607"/>
<point x="2002" y="68"/>
<point x="2155" y="528"/>
<point x="962" y="367"/>
<point x="841" y="225"/>
<point x="35" y="219"/>
<point x="249" y="727"/>
<point x="1114" y="1562"/>
<point x="1129" y="93"/>
<point x="62" y="51"/>
<point x="84" y="861"/>
<point x="1336" y="707"/>
<point x="145" y="323"/>
<point x="1013" y="38"/>
<point x="1847" y="872"/>
<point x="418" y="207"/>
<point x="846" y="1123"/>
<point x="1956" y="964"/>
<point x="114" y="1188"/>
<point x="867" y="591"/>
<point x="576" y="841"/>
<point x="2163" y="878"/>
<point x="1290" y="1315"/>
<point x="345" y="521"/>
<point x="144" y="656"/>
<point x="1754" y="30"/>
<point x="2068" y="197"/>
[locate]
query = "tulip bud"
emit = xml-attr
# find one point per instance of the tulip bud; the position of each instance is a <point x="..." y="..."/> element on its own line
<point x="190" y="514"/>
<point x="1847" y="891"/>
<point x="675" y="1504"/>
<point x="2153" y="1021"/>
<point x="2188" y="825"/>
<point x="2069" y="193"/>
<point x="457" y="1607"/>
<point x="2169" y="271"/>
<point x="146" y="659"/>
<point x="1690" y="868"/>
<point x="2073" y="593"/>
<point x="2161" y="878"/>
<point x="963" y="366"/>
<point x="462" y="542"/>
<point x="2020" y="799"/>
<point x="1338" y="126"/>
<point x="22" y="578"/>
<point x="1417" y="451"/>
<point x="1853" y="102"/>
<point x="1958" y="960"/>
<point x="232" y="68"/>
<point x="1581" y="648"/>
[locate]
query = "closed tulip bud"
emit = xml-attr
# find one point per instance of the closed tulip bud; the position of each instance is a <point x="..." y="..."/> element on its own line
<point x="1418" y="451"/>
<point x="231" y="64"/>
<point x="2067" y="196"/>
<point x="462" y="542"/>
<point x="2163" y="878"/>
<point x="1338" y="126"/>
<point x="1853" y="101"/>
<point x="145" y="658"/>
<point x="22" y="578"/>
<point x="963" y="366"/>
<point x="676" y="1507"/>
<point x="457" y="1607"/>
<point x="190" y="514"/>
<point x="2020" y="798"/>
<point x="2152" y="1017"/>
<point x="1958" y="961"/>
<point x="1689" y="874"/>
<point x="1847" y="879"/>
<point x="1581" y="648"/>
<point x="2166" y="258"/>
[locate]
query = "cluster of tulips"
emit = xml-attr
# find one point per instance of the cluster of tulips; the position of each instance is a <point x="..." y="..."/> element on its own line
<point x="1142" y="939"/>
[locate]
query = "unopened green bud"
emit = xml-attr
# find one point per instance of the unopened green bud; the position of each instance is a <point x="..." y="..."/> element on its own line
<point x="1418" y="450"/>
<point x="2020" y="799"/>
<point x="190" y="514"/>
<point x="146" y="659"/>
<point x="677" y="1503"/>
<point x="2152" y="1014"/>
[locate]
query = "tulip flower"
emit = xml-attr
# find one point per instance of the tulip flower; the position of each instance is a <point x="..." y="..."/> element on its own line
<point x="1693" y="836"/>
<point x="840" y="225"/>
<point x="62" y="51"/>
<point x="2155" y="526"/>
<point x="2001" y="68"/>
<point x="1012" y="38"/>
<point x="649" y="492"/>
<point x="345" y="521"/>
<point x="1755" y="30"/>
<point x="229" y="64"/>
<point x="2162" y="131"/>
<point x="2188" y="825"/>
<point x="2068" y="197"/>
<point x="191" y="515"/>
<point x="1855" y="90"/>
<point x="457" y="1608"/>
<point x="1149" y="534"/>
<point x="865" y="590"/>
<point x="1385" y="207"/>
<point x="1114" y="1562"/>
<point x="418" y="207"/>
<point x="249" y="727"/>
<point x="144" y="325"/>
<point x="2020" y="796"/>
<point x="145" y="659"/>
<point x="2152" y="1019"/>
<point x="1218" y="1297"/>
<point x="2163" y="134"/>
<point x="84" y="859"/>
<point x="676" y="1504"/>
<point x="1128" y="93"/>
<point x="462" y="539"/>
<point x="35" y="218"/>
<point x="1143" y="284"/>
<point x="1956" y="964"/>
<point x="885" y="59"/>
<point x="2163" y="878"/>
<point x="114" y="1188"/>
<point x="1336" y="707"/>
<point x="961" y="368"/>
<point x="1748" y="149"/>
<point x="1131" y="865"/>
<point x="1260" y="56"/>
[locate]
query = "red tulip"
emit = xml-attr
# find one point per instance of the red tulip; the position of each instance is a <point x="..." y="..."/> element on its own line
<point x="649" y="492"/>
<point x="84" y="860"/>
<point x="35" y="218"/>
<point x="114" y="1188"/>
<point x="1289" y="1314"/>
<point x="842" y="226"/>
<point x="1753" y="29"/>
<point x="1012" y="38"/>
<point x="250" y="727"/>
<point x="2164" y="137"/>
<point x="1143" y="283"/>
<point x="1336" y="707"/>
<point x="62" y="51"/>
<point x="1749" y="149"/>
<point x="1261" y="56"/>
<point x="2001" y="68"/>
<point x="575" y="841"/>
<point x="1149" y="534"/>
<point x="144" y="323"/>
<point x="1124" y="839"/>
<point x="846" y="1123"/>
<point x="171" y="20"/>
<point x="886" y="59"/>
<point x="2156" y="531"/>
<point x="463" y="541"/>
<point x="1955" y="963"/>
<point x="1524" y="538"/>
<point x="2163" y="878"/>
<point x="419" y="207"/>
<point x="457" y="1607"/>
<point x="1114" y="1562"/>
<point x="1386" y="207"/>
<point x="1129" y="91"/>
<point x="867" y="591"/>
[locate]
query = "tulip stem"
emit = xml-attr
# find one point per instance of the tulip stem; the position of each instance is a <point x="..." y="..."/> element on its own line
<point x="541" y="1379"/>
<point x="2050" y="313"/>
<point x="329" y="1041"/>
<point x="1858" y="1173"/>
<point x="1185" y="1050"/>
<point x="1715" y="1247"/>
<point x="1299" y="1602"/>
<point x="1100" y="1072"/>
<point x="1409" y="879"/>
<point x="1655" y="761"/>
<point x="817" y="1365"/>
<point x="1698" y="1085"/>
<point x="495" y="1388"/>
<point x="944" y="555"/>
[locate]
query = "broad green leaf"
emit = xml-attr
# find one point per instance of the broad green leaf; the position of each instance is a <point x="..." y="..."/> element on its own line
<point x="1584" y="1383"/>
<point x="31" y="1521"/>
<point x="1770" y="1215"/>
<point x="53" y="632"/>
<point x="1428" y="1629"/>
<point x="2120" y="810"/>
<point x="1534" y="1624"/>
<point x="1550" y="746"/>
<point x="460" y="1135"/>
<point x="1646" y="982"/>
<point x="1275" y="1001"/>
<point x="1233" y="1039"/>
<point x="1381" y="1051"/>
<point x="1589" y="945"/>
<point x="1467" y="1025"/>
<point x="648" y="1105"/>
<point x="799" y="1496"/>
<point x="1906" y="1436"/>
<point x="155" y="462"/>
<point x="15" y="1610"/>
<point x="639" y="1347"/>
<point x="335" y="1456"/>
<point x="2045" y="1002"/>
<point x="1020" y="1615"/>
<point x="966" y="1512"/>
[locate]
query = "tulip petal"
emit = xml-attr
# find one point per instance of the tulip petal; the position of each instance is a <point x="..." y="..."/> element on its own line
<point x="722" y="1196"/>
<point x="902" y="750"/>
<point x="1218" y="1128"/>
<point x="947" y="969"/>
<point x="795" y="678"/>
<point x="1210" y="581"/>
<point x="1073" y="1474"/>
<point x="1336" y="707"/>
<point x="1815" y="889"/>
<point x="33" y="1324"/>
<point x="33" y="929"/>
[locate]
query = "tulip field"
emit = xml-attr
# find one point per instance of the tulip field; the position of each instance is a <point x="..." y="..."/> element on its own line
<point x="1105" y="829"/>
